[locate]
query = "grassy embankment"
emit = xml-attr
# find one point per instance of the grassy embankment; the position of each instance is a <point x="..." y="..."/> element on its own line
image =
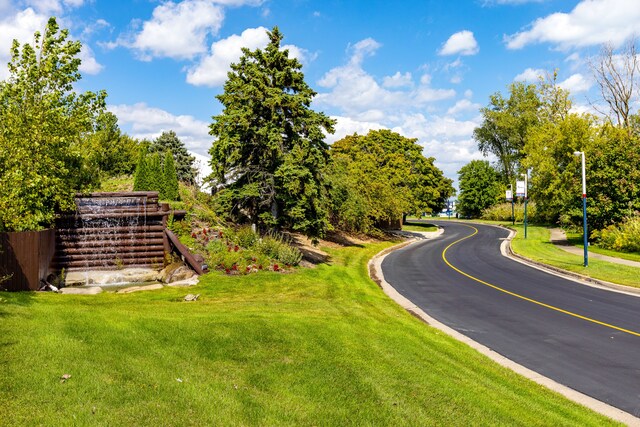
<point x="320" y="346"/>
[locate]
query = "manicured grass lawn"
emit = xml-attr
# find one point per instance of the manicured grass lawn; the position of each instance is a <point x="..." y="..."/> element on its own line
<point x="576" y="240"/>
<point x="418" y="226"/>
<point x="538" y="247"/>
<point x="321" y="346"/>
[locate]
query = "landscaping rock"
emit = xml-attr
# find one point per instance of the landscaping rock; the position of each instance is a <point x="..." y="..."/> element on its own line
<point x="140" y="288"/>
<point x="187" y="282"/>
<point x="175" y="272"/>
<point x="89" y="290"/>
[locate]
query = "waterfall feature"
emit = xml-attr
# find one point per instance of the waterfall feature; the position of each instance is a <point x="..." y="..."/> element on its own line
<point x="112" y="231"/>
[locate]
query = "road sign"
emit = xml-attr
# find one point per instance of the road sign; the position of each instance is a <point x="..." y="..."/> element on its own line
<point x="520" y="189"/>
<point x="509" y="195"/>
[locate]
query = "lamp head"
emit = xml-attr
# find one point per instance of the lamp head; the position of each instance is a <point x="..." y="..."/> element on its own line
<point x="577" y="153"/>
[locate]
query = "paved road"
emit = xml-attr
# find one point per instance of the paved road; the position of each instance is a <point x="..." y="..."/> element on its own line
<point x="582" y="337"/>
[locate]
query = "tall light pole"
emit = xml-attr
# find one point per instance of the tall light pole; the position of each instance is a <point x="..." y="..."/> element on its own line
<point x="584" y="208"/>
<point x="526" y="191"/>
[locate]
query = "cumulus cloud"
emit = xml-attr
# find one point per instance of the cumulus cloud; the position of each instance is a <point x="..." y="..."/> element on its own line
<point x="398" y="80"/>
<point x="591" y="22"/>
<point x="143" y="121"/>
<point x="212" y="69"/>
<point x="176" y="30"/>
<point x="21" y="25"/>
<point x="530" y="75"/>
<point x="353" y="90"/>
<point x="576" y="83"/>
<point x="348" y="126"/>
<point x="463" y="106"/>
<point x="52" y="7"/>
<point x="460" y="43"/>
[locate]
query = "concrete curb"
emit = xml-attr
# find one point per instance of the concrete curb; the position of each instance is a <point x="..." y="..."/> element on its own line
<point x="508" y="252"/>
<point x="375" y="272"/>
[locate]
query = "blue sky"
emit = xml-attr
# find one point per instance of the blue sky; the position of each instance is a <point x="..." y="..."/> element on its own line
<point x="422" y="68"/>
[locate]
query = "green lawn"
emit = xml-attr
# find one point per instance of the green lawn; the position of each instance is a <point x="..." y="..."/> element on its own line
<point x="418" y="226"/>
<point x="576" y="240"/>
<point x="538" y="247"/>
<point x="320" y="346"/>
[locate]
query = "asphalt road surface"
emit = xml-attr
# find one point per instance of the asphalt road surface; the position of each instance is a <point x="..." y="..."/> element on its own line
<point x="583" y="337"/>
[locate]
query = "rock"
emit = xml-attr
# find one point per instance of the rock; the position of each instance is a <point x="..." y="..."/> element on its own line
<point x="88" y="290"/>
<point x="181" y="273"/>
<point x="187" y="282"/>
<point x="140" y="288"/>
<point x="165" y="275"/>
<point x="192" y="297"/>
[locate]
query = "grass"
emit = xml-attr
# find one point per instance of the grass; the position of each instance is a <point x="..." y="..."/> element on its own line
<point x="538" y="247"/>
<point x="321" y="346"/>
<point x="575" y="239"/>
<point x="418" y="226"/>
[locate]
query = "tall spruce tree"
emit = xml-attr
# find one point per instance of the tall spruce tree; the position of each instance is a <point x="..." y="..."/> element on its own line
<point x="170" y="177"/>
<point x="269" y="155"/>
<point x="184" y="162"/>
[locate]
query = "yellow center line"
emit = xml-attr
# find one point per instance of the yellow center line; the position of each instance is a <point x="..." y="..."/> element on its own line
<point x="551" y="307"/>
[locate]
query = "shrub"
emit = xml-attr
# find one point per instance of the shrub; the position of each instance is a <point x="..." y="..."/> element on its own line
<point x="245" y="237"/>
<point x="502" y="212"/>
<point x="289" y="255"/>
<point x="623" y="237"/>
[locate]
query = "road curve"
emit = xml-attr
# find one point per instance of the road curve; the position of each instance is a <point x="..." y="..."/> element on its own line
<point x="583" y="337"/>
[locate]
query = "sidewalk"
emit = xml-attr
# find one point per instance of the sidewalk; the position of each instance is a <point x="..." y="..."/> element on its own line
<point x="559" y="238"/>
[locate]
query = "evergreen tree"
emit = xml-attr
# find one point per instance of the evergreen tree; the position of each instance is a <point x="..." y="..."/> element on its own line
<point x="269" y="156"/>
<point x="184" y="162"/>
<point x="154" y="169"/>
<point x="170" y="177"/>
<point x="141" y="175"/>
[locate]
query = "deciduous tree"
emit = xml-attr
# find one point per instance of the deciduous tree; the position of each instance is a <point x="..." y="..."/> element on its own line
<point x="42" y="121"/>
<point x="480" y="188"/>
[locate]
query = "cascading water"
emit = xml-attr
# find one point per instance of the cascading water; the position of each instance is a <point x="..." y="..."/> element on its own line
<point x="112" y="231"/>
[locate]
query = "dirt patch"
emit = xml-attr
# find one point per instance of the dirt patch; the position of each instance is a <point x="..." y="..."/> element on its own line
<point x="312" y="255"/>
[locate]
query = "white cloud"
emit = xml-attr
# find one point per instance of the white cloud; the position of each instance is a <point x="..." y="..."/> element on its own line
<point x="21" y="27"/>
<point x="212" y="69"/>
<point x="398" y="80"/>
<point x="143" y="121"/>
<point x="463" y="105"/>
<point x="348" y="126"/>
<point x="591" y="22"/>
<point x="576" y="83"/>
<point x="462" y="43"/>
<point x="530" y="75"/>
<point x="50" y="7"/>
<point x="176" y="30"/>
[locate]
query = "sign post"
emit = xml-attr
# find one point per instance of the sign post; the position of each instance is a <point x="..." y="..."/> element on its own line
<point x="510" y="199"/>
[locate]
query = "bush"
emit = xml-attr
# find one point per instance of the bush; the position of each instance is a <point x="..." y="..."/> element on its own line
<point x="274" y="246"/>
<point x="502" y="212"/>
<point x="623" y="237"/>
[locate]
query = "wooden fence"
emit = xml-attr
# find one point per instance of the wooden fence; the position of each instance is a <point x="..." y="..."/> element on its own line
<point x="25" y="257"/>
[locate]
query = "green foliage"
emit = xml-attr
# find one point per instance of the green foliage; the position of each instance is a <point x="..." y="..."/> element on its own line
<point x="623" y="237"/>
<point x="381" y="176"/>
<point x="154" y="173"/>
<point x="42" y="121"/>
<point x="184" y="162"/>
<point x="109" y="151"/>
<point x="502" y="212"/>
<point x="505" y="125"/>
<point x="275" y="247"/>
<point x="480" y="188"/>
<point x="269" y="153"/>
<point x="171" y="190"/>
<point x="141" y="180"/>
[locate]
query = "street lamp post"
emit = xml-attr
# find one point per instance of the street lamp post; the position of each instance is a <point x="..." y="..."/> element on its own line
<point x="525" y="203"/>
<point x="584" y="208"/>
